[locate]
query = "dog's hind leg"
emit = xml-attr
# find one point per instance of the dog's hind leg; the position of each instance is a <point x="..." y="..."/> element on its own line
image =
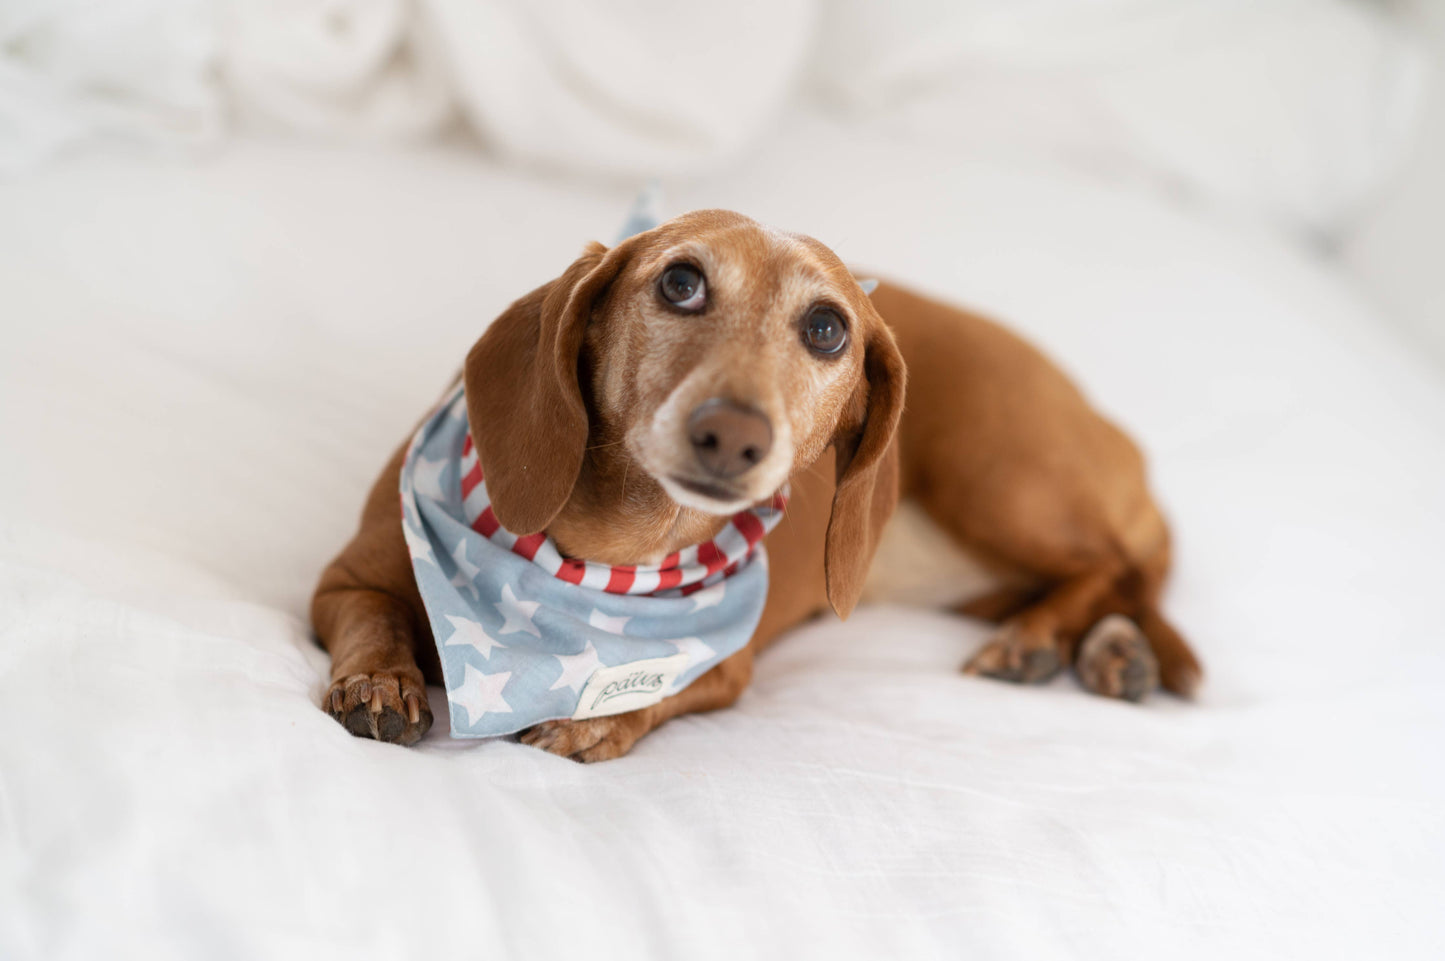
<point x="1036" y="643"/>
<point x="1083" y="585"/>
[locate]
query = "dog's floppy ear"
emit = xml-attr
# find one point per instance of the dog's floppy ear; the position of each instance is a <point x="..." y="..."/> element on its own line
<point x="524" y="403"/>
<point x="867" y="465"/>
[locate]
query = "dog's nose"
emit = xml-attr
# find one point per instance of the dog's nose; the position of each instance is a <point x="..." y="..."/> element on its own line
<point x="729" y="438"/>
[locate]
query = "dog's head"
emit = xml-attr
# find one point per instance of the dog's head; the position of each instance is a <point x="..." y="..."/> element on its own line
<point x="712" y="358"/>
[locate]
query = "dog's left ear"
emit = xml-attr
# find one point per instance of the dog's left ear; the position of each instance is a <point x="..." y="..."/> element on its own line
<point x="867" y="465"/>
<point x="524" y="403"/>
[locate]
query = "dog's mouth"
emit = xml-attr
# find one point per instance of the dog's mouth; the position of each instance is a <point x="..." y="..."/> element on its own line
<point x="709" y="497"/>
<point x="713" y="491"/>
<point x="695" y="489"/>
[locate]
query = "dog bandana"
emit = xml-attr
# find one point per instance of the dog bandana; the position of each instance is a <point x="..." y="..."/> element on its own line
<point x="527" y="635"/>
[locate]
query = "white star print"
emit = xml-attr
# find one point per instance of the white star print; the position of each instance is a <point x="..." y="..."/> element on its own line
<point x="612" y="625"/>
<point x="517" y="614"/>
<point x="697" y="653"/>
<point x="709" y="596"/>
<point x="481" y="694"/>
<point x="427" y="477"/>
<point x="470" y="634"/>
<point x="466" y="570"/>
<point x="695" y="649"/>
<point x="577" y="668"/>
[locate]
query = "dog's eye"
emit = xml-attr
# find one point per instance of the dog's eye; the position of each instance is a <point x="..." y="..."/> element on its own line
<point x="824" y="331"/>
<point x="683" y="286"/>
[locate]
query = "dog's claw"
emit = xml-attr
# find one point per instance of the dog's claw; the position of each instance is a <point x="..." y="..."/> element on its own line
<point x="383" y="707"/>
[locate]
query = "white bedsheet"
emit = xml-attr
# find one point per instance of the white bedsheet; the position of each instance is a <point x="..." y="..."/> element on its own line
<point x="202" y="369"/>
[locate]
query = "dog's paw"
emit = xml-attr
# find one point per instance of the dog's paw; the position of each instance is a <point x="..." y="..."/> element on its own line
<point x="1115" y="660"/>
<point x="1015" y="654"/>
<point x="384" y="707"/>
<point x="595" y="739"/>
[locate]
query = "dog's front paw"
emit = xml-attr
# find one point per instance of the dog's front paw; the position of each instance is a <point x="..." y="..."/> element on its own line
<point x="595" y="739"/>
<point x="1115" y="660"/>
<point x="384" y="707"/>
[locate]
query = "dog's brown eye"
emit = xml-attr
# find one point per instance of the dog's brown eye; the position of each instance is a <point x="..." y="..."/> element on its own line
<point x="682" y="285"/>
<point x="824" y="331"/>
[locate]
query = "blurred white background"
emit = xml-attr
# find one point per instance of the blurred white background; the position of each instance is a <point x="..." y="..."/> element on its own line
<point x="1397" y="246"/>
<point x="1325" y="117"/>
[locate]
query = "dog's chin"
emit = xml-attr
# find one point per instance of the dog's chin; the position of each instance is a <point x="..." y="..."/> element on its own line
<point x="709" y="498"/>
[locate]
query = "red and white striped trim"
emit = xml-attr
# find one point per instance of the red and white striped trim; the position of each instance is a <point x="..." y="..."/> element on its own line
<point x="681" y="573"/>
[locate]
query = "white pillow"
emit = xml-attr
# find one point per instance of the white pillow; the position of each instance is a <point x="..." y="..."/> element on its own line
<point x="337" y="69"/>
<point x="1294" y="108"/>
<point x="629" y="89"/>
<point x="136" y="70"/>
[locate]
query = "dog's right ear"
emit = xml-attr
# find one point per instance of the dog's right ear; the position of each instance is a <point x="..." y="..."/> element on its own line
<point x="524" y="404"/>
<point x="867" y="465"/>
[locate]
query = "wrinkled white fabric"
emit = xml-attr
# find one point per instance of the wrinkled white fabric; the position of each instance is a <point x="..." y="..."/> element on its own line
<point x="204" y="369"/>
<point x="135" y="70"/>
<point x="1297" y="109"/>
<point x="630" y="89"/>
<point x="343" y="69"/>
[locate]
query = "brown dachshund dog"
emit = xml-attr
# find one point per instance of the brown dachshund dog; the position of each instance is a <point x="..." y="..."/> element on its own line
<point x="1017" y="502"/>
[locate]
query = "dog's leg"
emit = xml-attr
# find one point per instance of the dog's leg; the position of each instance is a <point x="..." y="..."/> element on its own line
<point x="1034" y="645"/>
<point x="366" y="612"/>
<point x="377" y="690"/>
<point x="604" y="738"/>
<point x="1076" y="564"/>
<point x="1119" y="646"/>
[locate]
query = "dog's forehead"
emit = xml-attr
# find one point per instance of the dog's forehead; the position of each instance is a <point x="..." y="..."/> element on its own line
<point x="742" y="254"/>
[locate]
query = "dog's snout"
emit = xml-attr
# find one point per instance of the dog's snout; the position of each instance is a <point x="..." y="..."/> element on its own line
<point x="729" y="439"/>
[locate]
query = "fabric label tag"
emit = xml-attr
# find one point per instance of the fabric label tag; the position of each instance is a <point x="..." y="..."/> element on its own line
<point x="627" y="687"/>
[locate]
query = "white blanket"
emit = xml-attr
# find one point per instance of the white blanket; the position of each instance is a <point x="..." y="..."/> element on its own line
<point x="1293" y="110"/>
<point x="203" y="369"/>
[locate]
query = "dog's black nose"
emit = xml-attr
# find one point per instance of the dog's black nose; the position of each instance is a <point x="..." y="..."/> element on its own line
<point x="729" y="439"/>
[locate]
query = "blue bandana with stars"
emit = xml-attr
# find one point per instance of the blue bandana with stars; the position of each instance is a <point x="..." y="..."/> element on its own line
<point x="527" y="635"/>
